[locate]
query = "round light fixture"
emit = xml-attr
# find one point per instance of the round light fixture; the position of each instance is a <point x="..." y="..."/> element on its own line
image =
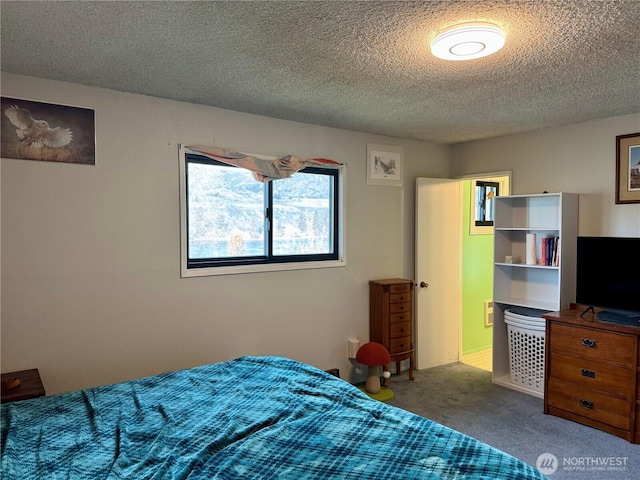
<point x="468" y="41"/>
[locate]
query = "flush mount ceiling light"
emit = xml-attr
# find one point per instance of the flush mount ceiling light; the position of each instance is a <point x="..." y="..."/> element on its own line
<point x="468" y="41"/>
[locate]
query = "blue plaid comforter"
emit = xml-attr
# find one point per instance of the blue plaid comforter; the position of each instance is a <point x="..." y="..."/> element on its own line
<point x="249" y="418"/>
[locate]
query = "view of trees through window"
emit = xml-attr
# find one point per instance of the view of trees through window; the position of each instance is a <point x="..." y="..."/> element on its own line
<point x="226" y="213"/>
<point x="302" y="215"/>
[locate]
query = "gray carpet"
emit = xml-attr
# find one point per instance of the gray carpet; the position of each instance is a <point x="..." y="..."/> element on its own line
<point x="463" y="398"/>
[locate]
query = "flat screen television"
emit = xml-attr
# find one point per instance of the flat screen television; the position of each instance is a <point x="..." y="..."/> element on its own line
<point x="608" y="273"/>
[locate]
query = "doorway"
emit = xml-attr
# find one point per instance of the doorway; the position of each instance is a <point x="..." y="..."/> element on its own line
<point x="454" y="262"/>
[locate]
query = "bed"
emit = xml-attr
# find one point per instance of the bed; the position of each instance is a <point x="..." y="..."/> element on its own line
<point x="248" y="418"/>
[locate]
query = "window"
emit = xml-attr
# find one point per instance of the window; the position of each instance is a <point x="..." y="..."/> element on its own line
<point x="232" y="223"/>
<point x="485" y="195"/>
<point x="482" y="192"/>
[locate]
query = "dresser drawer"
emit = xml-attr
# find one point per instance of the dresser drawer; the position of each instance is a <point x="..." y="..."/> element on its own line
<point x="589" y="403"/>
<point x="400" y="307"/>
<point x="600" y="376"/>
<point x="402" y="344"/>
<point x="400" y="329"/>
<point x="400" y="297"/>
<point x="399" y="288"/>
<point x="597" y="345"/>
<point x="400" y="317"/>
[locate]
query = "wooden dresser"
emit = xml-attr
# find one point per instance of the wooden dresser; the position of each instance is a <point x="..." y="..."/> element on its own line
<point x="592" y="372"/>
<point x="391" y="319"/>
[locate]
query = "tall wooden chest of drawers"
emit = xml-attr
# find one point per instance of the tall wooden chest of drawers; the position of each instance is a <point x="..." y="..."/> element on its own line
<point x="391" y="319"/>
<point x="592" y="372"/>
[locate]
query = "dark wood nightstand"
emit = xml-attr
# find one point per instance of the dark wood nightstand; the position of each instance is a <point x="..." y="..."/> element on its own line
<point x="30" y="386"/>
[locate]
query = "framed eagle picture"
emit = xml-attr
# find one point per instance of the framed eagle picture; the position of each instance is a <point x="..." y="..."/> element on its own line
<point x="47" y="132"/>
<point x="384" y="165"/>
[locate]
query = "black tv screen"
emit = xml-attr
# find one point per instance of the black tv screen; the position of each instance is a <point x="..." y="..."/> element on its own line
<point x="608" y="272"/>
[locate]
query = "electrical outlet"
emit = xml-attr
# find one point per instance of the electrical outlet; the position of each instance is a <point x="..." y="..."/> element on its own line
<point x="353" y="345"/>
<point x="488" y="313"/>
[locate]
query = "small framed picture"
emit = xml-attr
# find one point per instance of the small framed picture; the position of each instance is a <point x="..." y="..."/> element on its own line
<point x="47" y="132"/>
<point x="628" y="168"/>
<point x="384" y="165"/>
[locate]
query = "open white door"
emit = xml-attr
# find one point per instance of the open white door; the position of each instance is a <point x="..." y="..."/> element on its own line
<point x="438" y="271"/>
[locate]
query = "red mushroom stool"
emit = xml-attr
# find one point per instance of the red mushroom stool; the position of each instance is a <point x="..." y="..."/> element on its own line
<point x="373" y="355"/>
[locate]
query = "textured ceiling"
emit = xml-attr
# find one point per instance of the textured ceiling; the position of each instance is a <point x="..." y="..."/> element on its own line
<point x="363" y="66"/>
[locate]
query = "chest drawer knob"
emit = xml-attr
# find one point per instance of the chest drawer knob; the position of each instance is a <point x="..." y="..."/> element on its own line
<point x="588" y="373"/>
<point x="587" y="342"/>
<point x="586" y="404"/>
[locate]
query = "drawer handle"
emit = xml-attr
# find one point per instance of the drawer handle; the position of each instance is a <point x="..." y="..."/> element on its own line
<point x="586" y="404"/>
<point x="588" y="373"/>
<point x="587" y="342"/>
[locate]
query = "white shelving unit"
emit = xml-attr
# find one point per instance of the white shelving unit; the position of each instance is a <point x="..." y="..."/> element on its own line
<point x="542" y="287"/>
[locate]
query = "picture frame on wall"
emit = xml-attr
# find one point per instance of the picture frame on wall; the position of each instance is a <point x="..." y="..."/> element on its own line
<point x="628" y="168"/>
<point x="385" y="165"/>
<point x="47" y="132"/>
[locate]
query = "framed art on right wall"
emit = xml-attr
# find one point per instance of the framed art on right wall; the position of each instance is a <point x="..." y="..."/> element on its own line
<point x="628" y="168"/>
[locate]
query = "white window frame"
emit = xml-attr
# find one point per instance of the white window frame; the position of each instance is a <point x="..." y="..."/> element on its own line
<point x="271" y="267"/>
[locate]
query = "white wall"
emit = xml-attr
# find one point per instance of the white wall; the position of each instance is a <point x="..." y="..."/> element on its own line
<point x="91" y="287"/>
<point x="578" y="158"/>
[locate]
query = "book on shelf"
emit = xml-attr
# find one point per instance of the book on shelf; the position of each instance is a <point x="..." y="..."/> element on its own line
<point x="549" y="251"/>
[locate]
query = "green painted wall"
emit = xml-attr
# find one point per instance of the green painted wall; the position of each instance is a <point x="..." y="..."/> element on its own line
<point x="477" y="282"/>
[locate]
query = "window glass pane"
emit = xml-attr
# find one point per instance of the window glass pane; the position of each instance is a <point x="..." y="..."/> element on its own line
<point x="225" y="212"/>
<point x="492" y="192"/>
<point x="303" y="214"/>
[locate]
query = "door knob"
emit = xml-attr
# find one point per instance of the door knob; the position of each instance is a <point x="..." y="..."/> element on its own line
<point x="424" y="284"/>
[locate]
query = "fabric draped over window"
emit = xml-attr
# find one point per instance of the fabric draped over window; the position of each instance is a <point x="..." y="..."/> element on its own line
<point x="264" y="169"/>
